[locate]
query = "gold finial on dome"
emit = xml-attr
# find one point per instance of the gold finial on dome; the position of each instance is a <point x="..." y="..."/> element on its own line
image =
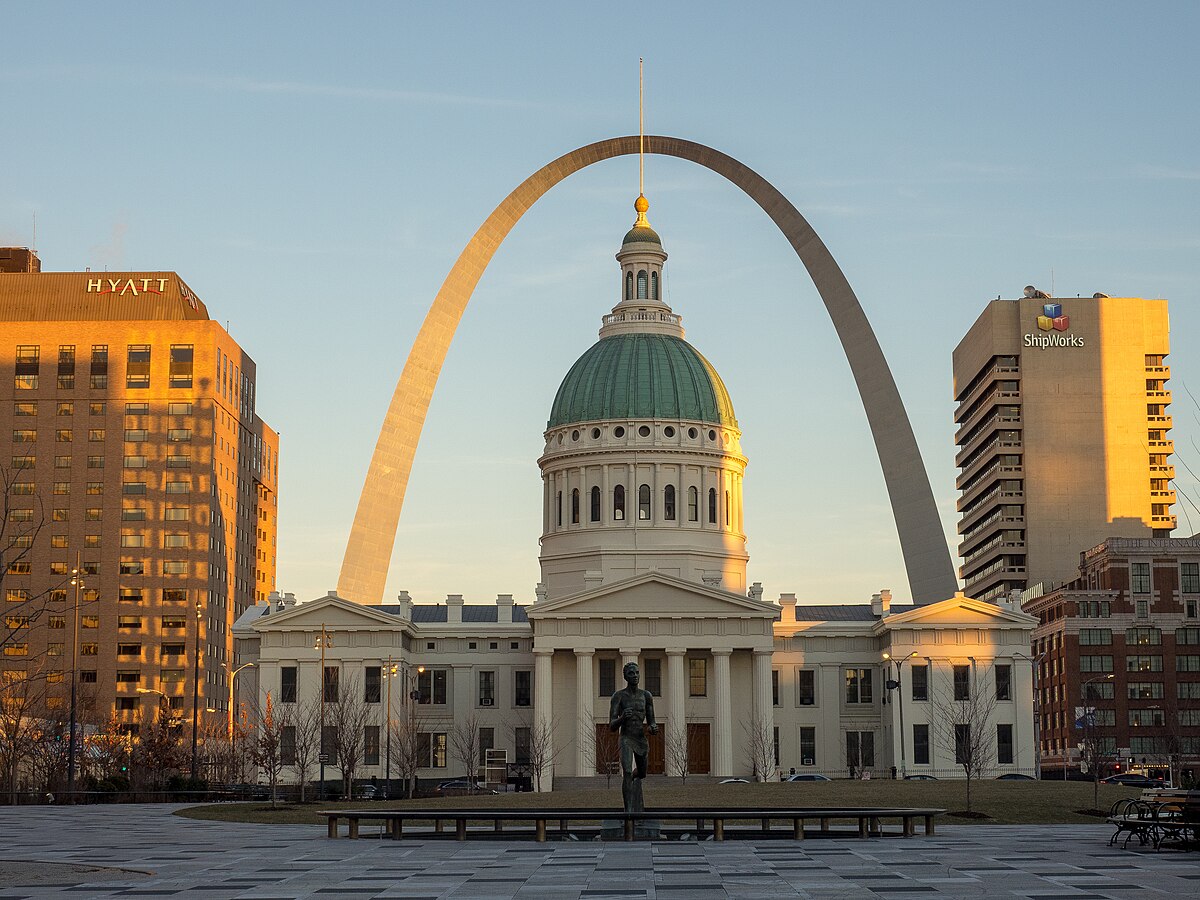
<point x="641" y="204"/>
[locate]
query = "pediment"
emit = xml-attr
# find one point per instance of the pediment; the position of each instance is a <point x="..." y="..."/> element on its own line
<point x="330" y="611"/>
<point x="959" y="610"/>
<point x="655" y="596"/>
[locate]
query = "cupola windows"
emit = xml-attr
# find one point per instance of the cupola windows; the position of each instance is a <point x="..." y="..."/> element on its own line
<point x="619" y="503"/>
<point x="644" y="503"/>
<point x="628" y="285"/>
<point x="642" y="285"/>
<point x="595" y="504"/>
<point x="669" y="503"/>
<point x="575" y="506"/>
<point x="712" y="506"/>
<point x="653" y="285"/>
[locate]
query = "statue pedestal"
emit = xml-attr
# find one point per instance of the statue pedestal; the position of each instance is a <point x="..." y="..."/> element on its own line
<point x="643" y="830"/>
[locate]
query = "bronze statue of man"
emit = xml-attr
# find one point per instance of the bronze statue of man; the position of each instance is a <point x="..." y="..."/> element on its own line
<point x="631" y="706"/>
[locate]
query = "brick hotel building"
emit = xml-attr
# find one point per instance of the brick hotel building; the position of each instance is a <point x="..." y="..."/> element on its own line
<point x="136" y="454"/>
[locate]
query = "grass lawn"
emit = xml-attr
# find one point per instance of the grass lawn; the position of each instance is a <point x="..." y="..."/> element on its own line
<point x="1001" y="802"/>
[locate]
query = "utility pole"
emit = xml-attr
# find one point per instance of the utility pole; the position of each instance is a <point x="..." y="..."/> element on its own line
<point x="899" y="685"/>
<point x="195" y="690"/>
<point x="77" y="583"/>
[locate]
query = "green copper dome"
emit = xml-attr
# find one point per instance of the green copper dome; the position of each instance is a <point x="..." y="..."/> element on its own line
<point x="641" y="234"/>
<point x="642" y="376"/>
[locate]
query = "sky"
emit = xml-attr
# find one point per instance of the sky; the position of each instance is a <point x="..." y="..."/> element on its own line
<point x="312" y="171"/>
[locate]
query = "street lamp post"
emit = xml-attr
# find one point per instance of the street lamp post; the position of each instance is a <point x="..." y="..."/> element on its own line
<point x="900" y="694"/>
<point x="390" y="674"/>
<point x="232" y="680"/>
<point x="414" y="697"/>
<point x="77" y="583"/>
<point x="195" y="690"/>
<point x="323" y="641"/>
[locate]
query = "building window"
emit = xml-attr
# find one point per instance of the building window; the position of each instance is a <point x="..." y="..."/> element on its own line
<point x="372" y="684"/>
<point x="1145" y="690"/>
<point x="1095" y="664"/>
<point x="654" y="296"/>
<point x="181" y="366"/>
<point x="858" y="686"/>
<point x="641" y="285"/>
<point x="628" y="285"/>
<point x="330" y="684"/>
<point x="962" y="682"/>
<point x="962" y="744"/>
<point x="860" y="750"/>
<point x="920" y="682"/>
<point x="697" y="677"/>
<point x="693" y="505"/>
<point x="1145" y="663"/>
<point x="1139" y="578"/>
<point x="712" y="506"/>
<point x="669" y="503"/>
<point x="921" y="745"/>
<point x="774" y="687"/>
<point x="1189" y="578"/>
<point x="1095" y="637"/>
<point x="808" y="746"/>
<point x="608" y="677"/>
<point x="370" y="735"/>
<point x="1003" y="682"/>
<point x="1004" y="745"/>
<point x="329" y="743"/>
<point x="595" y="504"/>
<point x="644" y="503"/>
<point x="806" y="687"/>
<point x="137" y="366"/>
<point x="487" y="741"/>
<point x="487" y="688"/>
<point x="1142" y="636"/>
<point x="432" y="685"/>
<point x="287" y="684"/>
<point x="1182" y="663"/>
<point x="652" y="680"/>
<point x="287" y="745"/>
<point x="575" y="506"/>
<point x="619" y="502"/>
<point x="523" y="688"/>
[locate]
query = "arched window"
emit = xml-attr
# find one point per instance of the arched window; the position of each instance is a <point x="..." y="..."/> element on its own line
<point x="712" y="506"/>
<point x="653" y="285"/>
<point x="628" y="285"/>
<point x="619" y="502"/>
<point x="595" y="504"/>
<point x="693" y="505"/>
<point x="558" y="516"/>
<point x="644" y="503"/>
<point x="669" y="503"/>
<point x="728" y="511"/>
<point x="575" y="506"/>
<point x="642" y="285"/>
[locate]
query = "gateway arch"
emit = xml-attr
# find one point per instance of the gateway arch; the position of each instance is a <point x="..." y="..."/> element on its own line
<point x="373" y="534"/>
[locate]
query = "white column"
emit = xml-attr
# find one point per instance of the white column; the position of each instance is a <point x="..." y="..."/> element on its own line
<point x="543" y="715"/>
<point x="722" y="716"/>
<point x="676" y="698"/>
<point x="586" y="703"/>
<point x="764" y="707"/>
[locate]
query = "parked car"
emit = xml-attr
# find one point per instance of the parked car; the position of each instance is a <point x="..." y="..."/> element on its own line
<point x="368" y="792"/>
<point x="461" y="786"/>
<point x="1134" y="779"/>
<point x="1015" y="776"/>
<point x="733" y="781"/>
<point x="921" y="776"/>
<point x="808" y="776"/>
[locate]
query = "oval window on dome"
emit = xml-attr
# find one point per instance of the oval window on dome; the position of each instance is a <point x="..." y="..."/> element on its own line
<point x="669" y="431"/>
<point x="595" y="434"/>
<point x="644" y="431"/>
<point x="712" y="435"/>
<point x="692" y="433"/>
<point x="575" y="435"/>
<point x="619" y="431"/>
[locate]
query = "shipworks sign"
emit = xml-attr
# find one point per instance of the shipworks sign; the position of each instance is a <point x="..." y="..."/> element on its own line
<point x="1052" y="329"/>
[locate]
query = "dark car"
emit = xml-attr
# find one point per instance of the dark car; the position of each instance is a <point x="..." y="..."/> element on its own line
<point x="1133" y="779"/>
<point x="461" y="786"/>
<point x="808" y="776"/>
<point x="1015" y="776"/>
<point x="920" y="777"/>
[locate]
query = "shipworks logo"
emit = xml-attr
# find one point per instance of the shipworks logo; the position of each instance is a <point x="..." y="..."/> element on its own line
<point x="1053" y="324"/>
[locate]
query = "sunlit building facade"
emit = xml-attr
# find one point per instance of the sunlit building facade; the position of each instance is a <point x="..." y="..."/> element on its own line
<point x="136" y="456"/>
<point x="1063" y="435"/>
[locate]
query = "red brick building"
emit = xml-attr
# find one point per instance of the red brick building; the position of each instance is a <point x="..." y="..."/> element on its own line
<point x="1117" y="657"/>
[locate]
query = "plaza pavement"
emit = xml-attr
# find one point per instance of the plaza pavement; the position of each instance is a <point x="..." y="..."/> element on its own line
<point x="188" y="858"/>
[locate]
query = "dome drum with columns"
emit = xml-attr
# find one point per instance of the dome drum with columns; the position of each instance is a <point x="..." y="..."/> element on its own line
<point x="643" y="558"/>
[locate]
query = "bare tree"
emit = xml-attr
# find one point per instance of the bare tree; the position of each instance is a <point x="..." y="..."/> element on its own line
<point x="159" y="750"/>
<point x="410" y="751"/>
<point x="22" y="693"/>
<point x="962" y="720"/>
<point x="22" y="517"/>
<point x="306" y="719"/>
<point x="760" y="748"/>
<point x="464" y="744"/>
<point x="109" y="749"/>
<point x="544" y="746"/>
<point x="350" y="715"/>
<point x="267" y="748"/>
<point x="48" y="753"/>
<point x="604" y="747"/>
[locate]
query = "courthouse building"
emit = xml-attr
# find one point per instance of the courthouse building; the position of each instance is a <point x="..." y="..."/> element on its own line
<point x="643" y="557"/>
<point x="137" y="457"/>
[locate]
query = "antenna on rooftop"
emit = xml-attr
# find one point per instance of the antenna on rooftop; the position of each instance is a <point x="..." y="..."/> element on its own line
<point x="33" y="246"/>
<point x="641" y="127"/>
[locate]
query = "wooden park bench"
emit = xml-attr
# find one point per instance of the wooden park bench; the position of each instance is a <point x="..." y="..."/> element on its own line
<point x="869" y="820"/>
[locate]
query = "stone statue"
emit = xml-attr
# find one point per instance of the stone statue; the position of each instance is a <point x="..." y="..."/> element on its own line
<point x="630" y="706"/>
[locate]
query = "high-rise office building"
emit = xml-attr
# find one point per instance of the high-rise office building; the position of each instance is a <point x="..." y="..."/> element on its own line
<point x="135" y="456"/>
<point x="1063" y="435"/>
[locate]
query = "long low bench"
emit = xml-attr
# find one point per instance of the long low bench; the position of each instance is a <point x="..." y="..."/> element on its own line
<point x="869" y="819"/>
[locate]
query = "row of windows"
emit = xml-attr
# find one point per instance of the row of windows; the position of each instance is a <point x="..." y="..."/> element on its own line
<point x="96" y="435"/>
<point x="126" y="595"/>
<point x="431" y="686"/>
<point x="643" y="505"/>
<point x="60" y="567"/>
<point x="137" y="366"/>
<point x="647" y="285"/>
<point x="180" y="485"/>
<point x="643" y="431"/>
<point x="100" y="408"/>
<point x="174" y="461"/>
